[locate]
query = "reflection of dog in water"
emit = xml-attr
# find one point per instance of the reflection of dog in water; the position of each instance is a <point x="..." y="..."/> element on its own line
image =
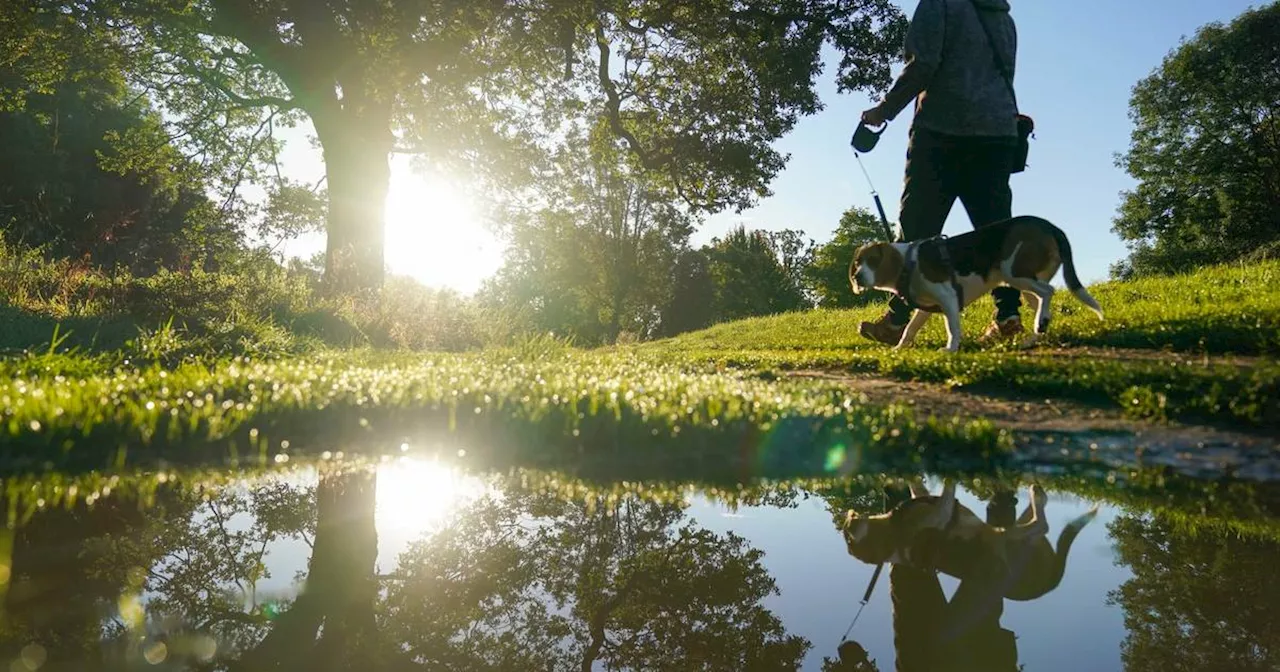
<point x="935" y="532"/>
<point x="996" y="559"/>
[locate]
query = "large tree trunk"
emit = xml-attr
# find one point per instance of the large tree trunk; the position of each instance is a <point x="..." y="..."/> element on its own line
<point x="357" y="164"/>
<point x="339" y="592"/>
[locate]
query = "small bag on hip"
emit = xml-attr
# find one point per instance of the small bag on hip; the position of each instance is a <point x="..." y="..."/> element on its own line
<point x="1025" y="128"/>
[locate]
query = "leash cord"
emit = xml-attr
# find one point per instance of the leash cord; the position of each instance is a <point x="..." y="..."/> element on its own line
<point x="866" y="597"/>
<point x="875" y="195"/>
<point x="853" y="623"/>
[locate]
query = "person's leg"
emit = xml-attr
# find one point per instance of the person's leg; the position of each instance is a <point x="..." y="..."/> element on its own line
<point x="926" y="201"/>
<point x="918" y="609"/>
<point x="984" y="190"/>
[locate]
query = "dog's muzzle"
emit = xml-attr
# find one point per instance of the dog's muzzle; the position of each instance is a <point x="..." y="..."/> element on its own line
<point x="856" y="281"/>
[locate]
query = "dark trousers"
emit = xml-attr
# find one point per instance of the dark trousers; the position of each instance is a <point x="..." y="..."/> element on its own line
<point x="932" y="634"/>
<point x="942" y="168"/>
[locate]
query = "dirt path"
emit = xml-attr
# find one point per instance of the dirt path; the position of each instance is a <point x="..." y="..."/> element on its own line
<point x="1048" y="431"/>
<point x="1133" y="354"/>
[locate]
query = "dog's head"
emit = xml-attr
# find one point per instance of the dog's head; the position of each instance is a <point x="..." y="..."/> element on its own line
<point x="875" y="265"/>
<point x="860" y="541"/>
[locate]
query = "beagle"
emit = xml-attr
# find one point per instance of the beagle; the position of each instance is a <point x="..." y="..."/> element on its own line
<point x="945" y="274"/>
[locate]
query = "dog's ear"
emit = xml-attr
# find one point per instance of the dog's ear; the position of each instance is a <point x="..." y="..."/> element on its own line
<point x="888" y="264"/>
<point x="855" y="526"/>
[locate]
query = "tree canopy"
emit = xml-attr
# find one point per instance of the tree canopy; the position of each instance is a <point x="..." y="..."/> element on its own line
<point x="1205" y="151"/>
<point x="697" y="91"/>
<point x="828" y="275"/>
<point x="63" y="185"/>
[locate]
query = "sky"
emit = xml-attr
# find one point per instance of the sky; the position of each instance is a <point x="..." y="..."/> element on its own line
<point x="1077" y="63"/>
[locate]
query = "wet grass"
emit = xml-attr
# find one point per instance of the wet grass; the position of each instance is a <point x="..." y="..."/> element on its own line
<point x="704" y="399"/>
<point x="564" y="403"/>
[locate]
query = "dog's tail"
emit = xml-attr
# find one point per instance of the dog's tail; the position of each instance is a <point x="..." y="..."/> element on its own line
<point x="1065" y="540"/>
<point x="1069" y="272"/>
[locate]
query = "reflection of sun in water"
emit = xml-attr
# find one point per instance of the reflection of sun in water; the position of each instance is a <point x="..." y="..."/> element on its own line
<point x="417" y="496"/>
<point x="435" y="233"/>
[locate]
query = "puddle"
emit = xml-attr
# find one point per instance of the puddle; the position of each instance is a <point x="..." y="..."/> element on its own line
<point x="416" y="564"/>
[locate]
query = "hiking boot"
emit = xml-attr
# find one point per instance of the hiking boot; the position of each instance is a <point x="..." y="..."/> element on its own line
<point x="882" y="331"/>
<point x="1003" y="330"/>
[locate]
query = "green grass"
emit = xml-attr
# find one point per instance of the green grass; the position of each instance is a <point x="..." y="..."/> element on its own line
<point x="237" y="363"/>
<point x="1218" y="310"/>
<point x="551" y="404"/>
<point x="1225" y="309"/>
<point x="250" y="306"/>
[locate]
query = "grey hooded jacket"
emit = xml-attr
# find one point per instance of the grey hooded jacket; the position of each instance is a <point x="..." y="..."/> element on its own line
<point x="951" y="71"/>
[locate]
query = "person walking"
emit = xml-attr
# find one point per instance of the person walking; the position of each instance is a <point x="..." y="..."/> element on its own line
<point x="960" y="57"/>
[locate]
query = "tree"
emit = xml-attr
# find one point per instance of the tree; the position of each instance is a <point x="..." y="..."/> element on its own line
<point x="1198" y="600"/>
<point x="598" y="257"/>
<point x="828" y="274"/>
<point x="530" y="581"/>
<point x="698" y="91"/>
<point x="62" y="184"/>
<point x="1205" y="151"/>
<point x="795" y="253"/>
<point x="750" y="278"/>
<point x="693" y="293"/>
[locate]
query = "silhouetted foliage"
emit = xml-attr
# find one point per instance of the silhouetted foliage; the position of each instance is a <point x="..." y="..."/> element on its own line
<point x="828" y="274"/>
<point x="693" y="293"/>
<point x="1198" y="600"/>
<point x="62" y="184"/>
<point x="698" y="92"/>
<point x="1206" y="151"/>
<point x="598" y="258"/>
<point x="750" y="277"/>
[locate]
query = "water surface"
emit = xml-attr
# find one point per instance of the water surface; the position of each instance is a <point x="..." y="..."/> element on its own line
<point x="418" y="564"/>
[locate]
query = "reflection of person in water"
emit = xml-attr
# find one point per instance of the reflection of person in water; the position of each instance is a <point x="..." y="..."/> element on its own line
<point x="933" y="634"/>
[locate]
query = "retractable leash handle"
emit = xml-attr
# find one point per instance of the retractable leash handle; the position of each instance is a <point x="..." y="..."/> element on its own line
<point x="864" y="140"/>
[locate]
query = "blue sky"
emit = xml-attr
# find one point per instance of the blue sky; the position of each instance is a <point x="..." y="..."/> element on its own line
<point x="1077" y="62"/>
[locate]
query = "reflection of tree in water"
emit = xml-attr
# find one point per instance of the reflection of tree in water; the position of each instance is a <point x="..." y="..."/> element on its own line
<point x="518" y="581"/>
<point x="532" y="582"/>
<point x="1197" y="600"/>
<point x="60" y="584"/>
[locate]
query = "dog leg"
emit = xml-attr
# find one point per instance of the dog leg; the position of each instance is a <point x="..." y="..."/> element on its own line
<point x="1038" y="526"/>
<point x="1043" y="293"/>
<point x="1028" y="514"/>
<point x="940" y="516"/>
<point x="913" y="327"/>
<point x="950" y="304"/>
<point x="1033" y="301"/>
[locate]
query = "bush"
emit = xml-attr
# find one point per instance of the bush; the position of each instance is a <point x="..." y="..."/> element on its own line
<point x="252" y="305"/>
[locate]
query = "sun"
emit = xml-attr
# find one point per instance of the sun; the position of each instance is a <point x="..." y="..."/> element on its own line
<point x="435" y="233"/>
<point x="417" y="495"/>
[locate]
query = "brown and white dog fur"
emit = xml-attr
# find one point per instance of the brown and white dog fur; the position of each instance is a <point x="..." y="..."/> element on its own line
<point x="1022" y="252"/>
<point x="940" y="534"/>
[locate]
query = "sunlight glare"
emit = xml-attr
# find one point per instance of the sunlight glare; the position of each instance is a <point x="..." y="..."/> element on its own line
<point x="435" y="233"/>
<point x="416" y="496"/>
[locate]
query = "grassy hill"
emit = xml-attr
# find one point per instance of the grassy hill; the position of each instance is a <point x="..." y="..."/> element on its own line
<point x="1198" y="348"/>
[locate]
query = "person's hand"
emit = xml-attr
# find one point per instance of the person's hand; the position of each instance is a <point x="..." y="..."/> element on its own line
<point x="874" y="116"/>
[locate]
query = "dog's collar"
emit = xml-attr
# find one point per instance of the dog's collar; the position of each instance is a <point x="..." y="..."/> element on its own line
<point x="903" y="287"/>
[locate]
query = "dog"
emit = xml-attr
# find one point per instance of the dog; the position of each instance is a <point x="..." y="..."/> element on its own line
<point x="938" y="533"/>
<point x="946" y="274"/>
